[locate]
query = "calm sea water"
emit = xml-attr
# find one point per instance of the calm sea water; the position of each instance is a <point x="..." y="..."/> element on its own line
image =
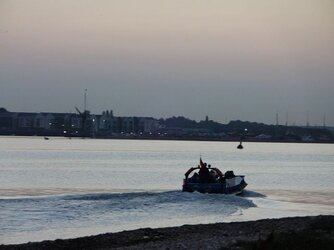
<point x="65" y="188"/>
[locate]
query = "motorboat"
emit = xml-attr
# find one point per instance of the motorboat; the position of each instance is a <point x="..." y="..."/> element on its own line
<point x="206" y="179"/>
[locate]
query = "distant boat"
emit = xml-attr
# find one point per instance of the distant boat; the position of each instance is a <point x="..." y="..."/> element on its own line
<point x="46" y="138"/>
<point x="212" y="180"/>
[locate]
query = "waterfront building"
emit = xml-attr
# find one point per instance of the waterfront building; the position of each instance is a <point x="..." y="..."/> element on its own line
<point x="70" y="124"/>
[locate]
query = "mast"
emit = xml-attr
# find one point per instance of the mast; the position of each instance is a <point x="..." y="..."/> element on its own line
<point x="85" y="100"/>
<point x="307" y="119"/>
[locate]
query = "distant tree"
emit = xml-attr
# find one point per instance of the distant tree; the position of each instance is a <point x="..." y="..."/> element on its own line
<point x="212" y="126"/>
<point x="3" y="110"/>
<point x="180" y="122"/>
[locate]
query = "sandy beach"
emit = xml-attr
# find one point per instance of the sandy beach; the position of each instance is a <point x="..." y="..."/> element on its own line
<point x="310" y="232"/>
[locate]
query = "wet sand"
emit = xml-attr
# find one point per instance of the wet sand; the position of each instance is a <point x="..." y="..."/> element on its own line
<point x="311" y="232"/>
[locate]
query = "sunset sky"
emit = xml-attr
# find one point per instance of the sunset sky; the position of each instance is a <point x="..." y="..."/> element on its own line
<point x="229" y="60"/>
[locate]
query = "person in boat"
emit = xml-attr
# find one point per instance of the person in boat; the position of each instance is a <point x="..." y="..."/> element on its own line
<point x="194" y="178"/>
<point x="213" y="176"/>
<point x="204" y="174"/>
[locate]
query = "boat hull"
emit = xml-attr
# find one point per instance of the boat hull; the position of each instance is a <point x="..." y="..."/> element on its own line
<point x="233" y="185"/>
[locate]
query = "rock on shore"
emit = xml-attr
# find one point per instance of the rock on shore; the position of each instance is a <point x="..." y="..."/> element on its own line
<point x="311" y="232"/>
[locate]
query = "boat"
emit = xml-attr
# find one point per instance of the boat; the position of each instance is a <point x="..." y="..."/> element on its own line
<point x="206" y="179"/>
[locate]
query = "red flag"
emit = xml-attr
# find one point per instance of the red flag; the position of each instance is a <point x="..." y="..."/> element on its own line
<point x="201" y="163"/>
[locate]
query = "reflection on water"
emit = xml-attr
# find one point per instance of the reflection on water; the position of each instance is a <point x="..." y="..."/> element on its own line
<point x="309" y="197"/>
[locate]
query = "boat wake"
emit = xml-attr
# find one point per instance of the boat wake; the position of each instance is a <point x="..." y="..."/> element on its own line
<point x="84" y="214"/>
<point x="251" y="194"/>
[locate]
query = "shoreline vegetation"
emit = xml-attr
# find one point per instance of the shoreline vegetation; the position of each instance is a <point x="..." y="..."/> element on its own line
<point x="309" y="232"/>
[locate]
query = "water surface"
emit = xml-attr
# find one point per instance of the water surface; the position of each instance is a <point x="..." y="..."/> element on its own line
<point x="63" y="188"/>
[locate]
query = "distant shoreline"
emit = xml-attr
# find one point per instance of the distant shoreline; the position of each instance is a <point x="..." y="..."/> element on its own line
<point x="166" y="138"/>
<point x="310" y="232"/>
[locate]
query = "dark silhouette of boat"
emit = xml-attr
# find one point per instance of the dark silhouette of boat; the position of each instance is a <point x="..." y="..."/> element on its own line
<point x="206" y="179"/>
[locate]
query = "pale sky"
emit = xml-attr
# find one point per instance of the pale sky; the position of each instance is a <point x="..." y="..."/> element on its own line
<point x="228" y="59"/>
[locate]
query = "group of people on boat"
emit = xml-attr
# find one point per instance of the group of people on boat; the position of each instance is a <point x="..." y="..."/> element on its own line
<point x="206" y="174"/>
<point x="207" y="179"/>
